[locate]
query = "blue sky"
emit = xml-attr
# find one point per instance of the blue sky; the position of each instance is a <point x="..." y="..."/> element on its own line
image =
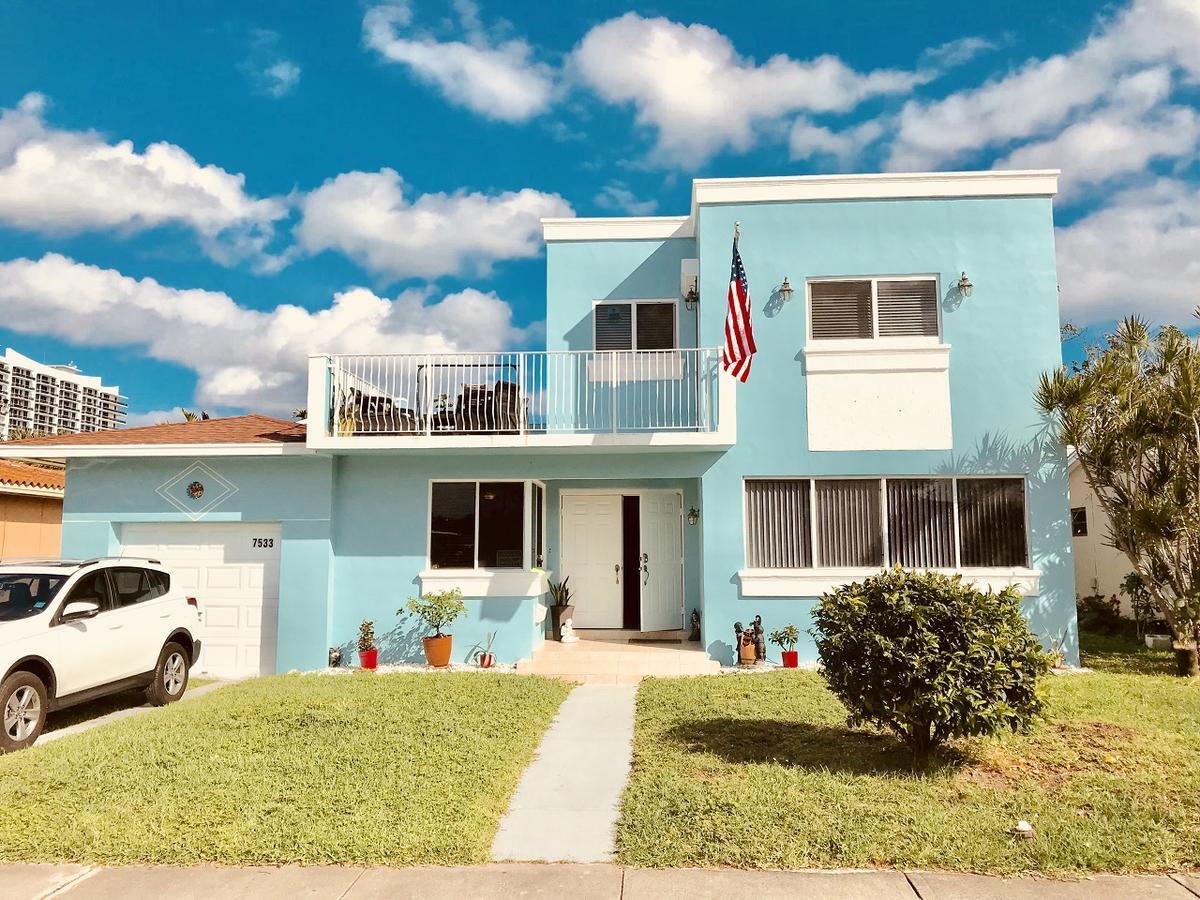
<point x="193" y="197"/>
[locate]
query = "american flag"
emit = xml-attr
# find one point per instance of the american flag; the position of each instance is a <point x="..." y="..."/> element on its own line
<point x="739" y="348"/>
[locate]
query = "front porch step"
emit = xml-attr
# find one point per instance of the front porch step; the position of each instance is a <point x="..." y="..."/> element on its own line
<point x="609" y="662"/>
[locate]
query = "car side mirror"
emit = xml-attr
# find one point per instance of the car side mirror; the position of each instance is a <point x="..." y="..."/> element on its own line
<point x="79" y="609"/>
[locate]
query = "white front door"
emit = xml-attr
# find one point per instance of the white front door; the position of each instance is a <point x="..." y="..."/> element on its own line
<point x="591" y="558"/>
<point x="232" y="569"/>
<point x="662" y="561"/>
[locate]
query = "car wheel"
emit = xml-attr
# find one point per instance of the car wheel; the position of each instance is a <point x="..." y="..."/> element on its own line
<point x="23" y="707"/>
<point x="170" y="676"/>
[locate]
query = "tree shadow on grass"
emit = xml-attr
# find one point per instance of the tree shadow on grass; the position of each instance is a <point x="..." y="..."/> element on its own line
<point x="807" y="746"/>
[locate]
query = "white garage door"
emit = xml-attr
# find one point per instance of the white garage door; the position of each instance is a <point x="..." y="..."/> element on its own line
<point x="233" y="571"/>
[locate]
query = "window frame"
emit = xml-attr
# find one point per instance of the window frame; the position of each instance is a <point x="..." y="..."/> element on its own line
<point x="633" y="331"/>
<point x="817" y="568"/>
<point x="876" y="338"/>
<point x="1083" y="510"/>
<point x="116" y="593"/>
<point x="526" y="524"/>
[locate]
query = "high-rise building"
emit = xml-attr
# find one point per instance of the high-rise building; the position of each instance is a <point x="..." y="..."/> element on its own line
<point x="46" y="399"/>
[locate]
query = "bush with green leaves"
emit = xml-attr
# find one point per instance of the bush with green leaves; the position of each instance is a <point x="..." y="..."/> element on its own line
<point x="438" y="610"/>
<point x="929" y="657"/>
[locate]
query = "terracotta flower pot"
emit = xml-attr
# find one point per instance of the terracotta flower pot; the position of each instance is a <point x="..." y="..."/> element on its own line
<point x="746" y="655"/>
<point x="486" y="660"/>
<point x="791" y="659"/>
<point x="437" y="650"/>
<point x="369" y="659"/>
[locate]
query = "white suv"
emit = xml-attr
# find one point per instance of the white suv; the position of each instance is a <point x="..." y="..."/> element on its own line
<point x="74" y="631"/>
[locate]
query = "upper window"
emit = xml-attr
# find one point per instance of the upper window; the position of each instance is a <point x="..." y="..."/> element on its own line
<point x="1079" y="521"/>
<point x="918" y="523"/>
<point x="868" y="308"/>
<point x="636" y="325"/>
<point x="477" y="525"/>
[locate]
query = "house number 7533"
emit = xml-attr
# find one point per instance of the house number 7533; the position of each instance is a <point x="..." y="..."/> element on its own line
<point x="262" y="542"/>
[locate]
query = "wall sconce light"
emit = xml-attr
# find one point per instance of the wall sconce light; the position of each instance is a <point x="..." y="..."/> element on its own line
<point x="964" y="285"/>
<point x="692" y="298"/>
<point x="785" y="290"/>
<point x="693" y="516"/>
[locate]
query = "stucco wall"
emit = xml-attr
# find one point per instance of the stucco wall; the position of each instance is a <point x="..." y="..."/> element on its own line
<point x="1099" y="569"/>
<point x="1001" y="339"/>
<point x="30" y="526"/>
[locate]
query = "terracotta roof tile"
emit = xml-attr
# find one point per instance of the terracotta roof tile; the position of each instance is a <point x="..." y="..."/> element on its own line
<point x="16" y="474"/>
<point x="251" y="429"/>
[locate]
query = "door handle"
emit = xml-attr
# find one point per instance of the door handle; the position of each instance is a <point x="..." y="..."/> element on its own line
<point x="617" y="572"/>
<point x="646" y="568"/>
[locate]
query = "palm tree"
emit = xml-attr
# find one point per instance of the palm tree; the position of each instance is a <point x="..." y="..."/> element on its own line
<point x="189" y="416"/>
<point x="1131" y="410"/>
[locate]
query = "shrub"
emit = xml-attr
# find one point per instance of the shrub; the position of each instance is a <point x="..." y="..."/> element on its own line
<point x="929" y="657"/>
<point x="1100" y="614"/>
<point x="437" y="610"/>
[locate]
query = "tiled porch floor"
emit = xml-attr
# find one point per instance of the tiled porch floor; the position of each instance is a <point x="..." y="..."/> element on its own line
<point x="607" y="657"/>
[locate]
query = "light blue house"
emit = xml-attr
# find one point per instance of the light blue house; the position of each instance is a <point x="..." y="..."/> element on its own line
<point x="901" y="321"/>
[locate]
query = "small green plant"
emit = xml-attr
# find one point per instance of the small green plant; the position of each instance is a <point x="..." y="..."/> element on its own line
<point x="1100" y="614"/>
<point x="1145" y="611"/>
<point x="437" y="610"/>
<point x="366" y="636"/>
<point x="929" y="657"/>
<point x="786" y="638"/>
<point x="560" y="594"/>
<point x="487" y="647"/>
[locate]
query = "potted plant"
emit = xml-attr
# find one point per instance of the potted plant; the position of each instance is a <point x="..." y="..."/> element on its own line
<point x="786" y="639"/>
<point x="484" y="657"/>
<point x="560" y="606"/>
<point x="437" y="610"/>
<point x="368" y="653"/>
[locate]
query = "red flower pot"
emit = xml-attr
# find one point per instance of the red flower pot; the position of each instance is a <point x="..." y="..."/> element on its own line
<point x="486" y="660"/>
<point x="368" y="658"/>
<point x="791" y="659"/>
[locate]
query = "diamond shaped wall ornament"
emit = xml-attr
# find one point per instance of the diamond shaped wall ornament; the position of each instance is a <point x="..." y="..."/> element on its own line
<point x="197" y="490"/>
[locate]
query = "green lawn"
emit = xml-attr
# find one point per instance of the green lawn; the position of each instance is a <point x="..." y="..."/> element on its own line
<point x="399" y="769"/>
<point x="85" y="712"/>
<point x="760" y="771"/>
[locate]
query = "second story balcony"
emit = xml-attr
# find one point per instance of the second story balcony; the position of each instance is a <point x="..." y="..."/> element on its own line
<point x="659" y="399"/>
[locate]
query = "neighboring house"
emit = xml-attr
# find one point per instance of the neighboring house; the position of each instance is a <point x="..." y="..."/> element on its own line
<point x="31" y="503"/>
<point x="54" y="399"/>
<point x="888" y="419"/>
<point x="1099" y="567"/>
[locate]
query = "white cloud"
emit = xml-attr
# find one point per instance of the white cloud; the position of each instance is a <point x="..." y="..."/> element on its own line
<point x="281" y="77"/>
<point x="1040" y="96"/>
<point x="241" y="356"/>
<point x="270" y="72"/>
<point x="1137" y="255"/>
<point x="497" y="79"/>
<point x="689" y="83"/>
<point x="617" y="197"/>
<point x="808" y="140"/>
<point x="368" y="217"/>
<point x="958" y="51"/>
<point x="154" y="417"/>
<point x="62" y="182"/>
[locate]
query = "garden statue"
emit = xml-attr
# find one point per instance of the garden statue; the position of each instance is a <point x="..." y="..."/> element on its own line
<point x="568" y="632"/>
<point x="695" y="635"/>
<point x="747" y="654"/>
<point x="335" y="657"/>
<point x="760" y="641"/>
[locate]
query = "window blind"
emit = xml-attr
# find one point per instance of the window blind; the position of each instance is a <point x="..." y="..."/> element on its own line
<point x="921" y="522"/>
<point x="991" y="516"/>
<point x="849" y="525"/>
<point x="778" y="523"/>
<point x="614" y="326"/>
<point x="908" y="308"/>
<point x="841" y="310"/>
<point x="656" y="326"/>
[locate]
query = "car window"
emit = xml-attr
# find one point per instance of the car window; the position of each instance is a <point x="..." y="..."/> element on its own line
<point x="23" y="595"/>
<point x="160" y="583"/>
<point x="92" y="588"/>
<point x="132" y="586"/>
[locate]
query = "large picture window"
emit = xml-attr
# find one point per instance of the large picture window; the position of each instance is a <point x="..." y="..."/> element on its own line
<point x="481" y="524"/>
<point x="868" y="308"/>
<point x="918" y="523"/>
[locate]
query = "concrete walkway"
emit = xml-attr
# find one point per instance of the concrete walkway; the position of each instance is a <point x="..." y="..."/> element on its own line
<point x="116" y="715"/>
<point x="580" y="882"/>
<point x="566" y="805"/>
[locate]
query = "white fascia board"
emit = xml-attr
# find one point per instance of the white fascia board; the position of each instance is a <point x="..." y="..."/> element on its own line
<point x="25" y="490"/>
<point x="475" y="583"/>
<point x="883" y="186"/>
<point x="618" y="228"/>
<point x="94" y="451"/>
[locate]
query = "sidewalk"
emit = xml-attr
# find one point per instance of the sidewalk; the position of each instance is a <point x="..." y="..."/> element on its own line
<point x="580" y="882"/>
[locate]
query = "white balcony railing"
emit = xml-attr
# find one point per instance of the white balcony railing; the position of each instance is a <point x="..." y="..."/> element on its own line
<point x="556" y="392"/>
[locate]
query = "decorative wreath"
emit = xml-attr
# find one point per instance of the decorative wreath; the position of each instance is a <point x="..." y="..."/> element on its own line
<point x="195" y="490"/>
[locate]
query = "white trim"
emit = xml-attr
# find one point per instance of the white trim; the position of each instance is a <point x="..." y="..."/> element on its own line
<point x="877" y="356"/>
<point x="815" y="582"/>
<point x="879" y="186"/>
<point x="618" y="228"/>
<point x="485" y="582"/>
<point x="723" y="437"/>
<point x="25" y="490"/>
<point x="89" y="451"/>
